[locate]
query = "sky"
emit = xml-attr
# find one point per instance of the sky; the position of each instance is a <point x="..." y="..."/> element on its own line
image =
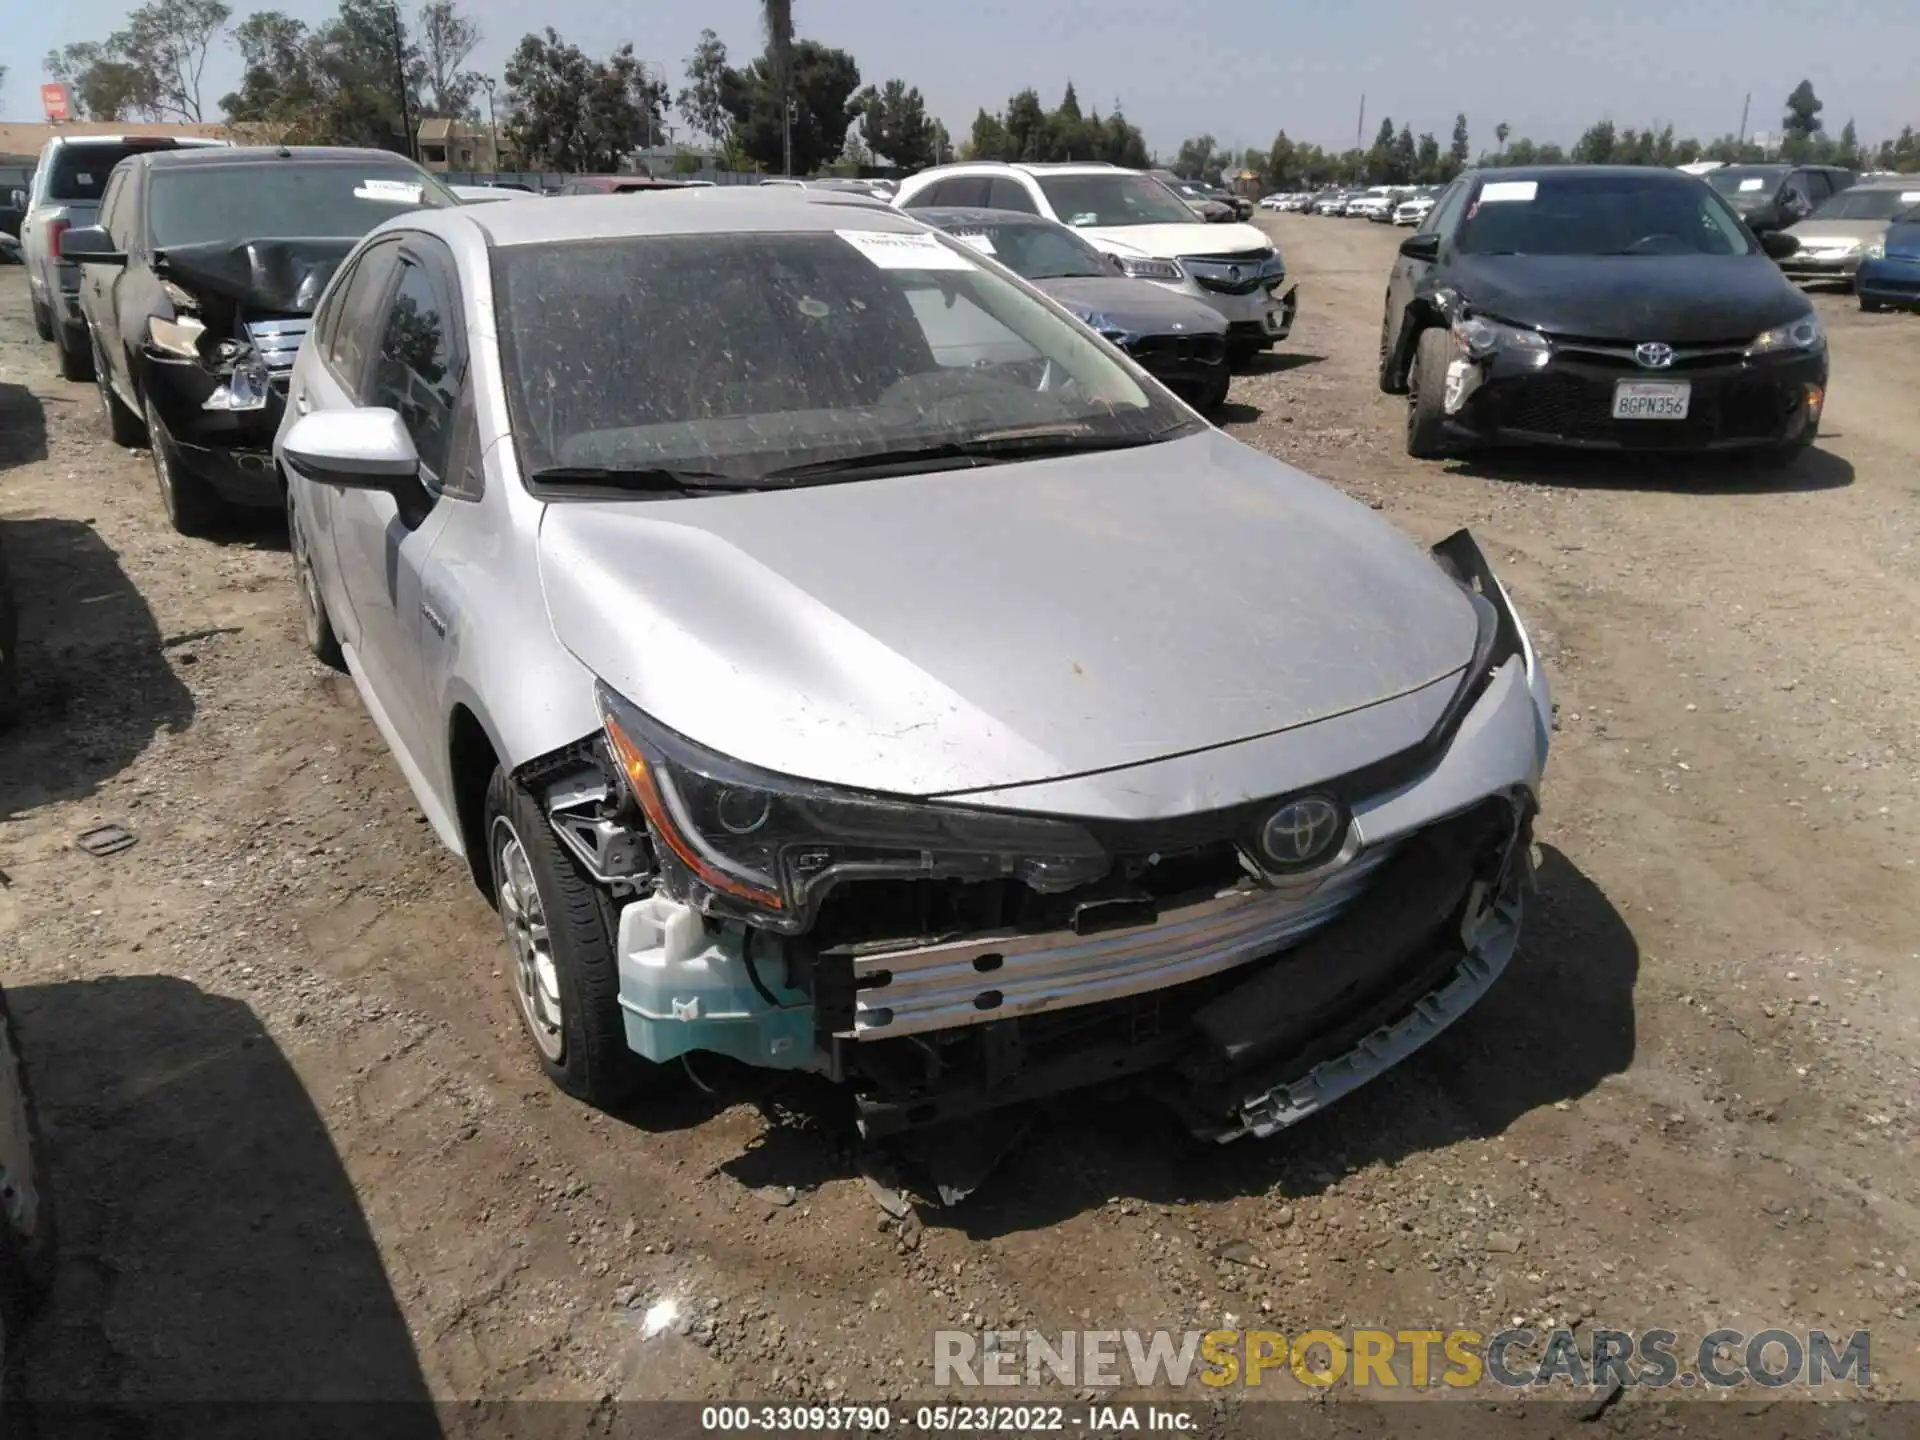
<point x="1236" y="69"/>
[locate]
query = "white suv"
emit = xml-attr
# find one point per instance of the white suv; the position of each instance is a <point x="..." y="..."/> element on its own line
<point x="1149" y="230"/>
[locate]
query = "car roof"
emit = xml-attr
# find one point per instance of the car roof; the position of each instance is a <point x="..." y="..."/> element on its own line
<point x="160" y="143"/>
<point x="1598" y="172"/>
<point x="693" y="210"/>
<point x="942" y="216"/>
<point x="1887" y="182"/>
<point x="1027" y="167"/>
<point x="271" y="155"/>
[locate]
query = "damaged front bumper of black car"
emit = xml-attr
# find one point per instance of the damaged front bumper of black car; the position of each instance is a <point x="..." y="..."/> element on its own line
<point x="1169" y="958"/>
<point x="220" y="398"/>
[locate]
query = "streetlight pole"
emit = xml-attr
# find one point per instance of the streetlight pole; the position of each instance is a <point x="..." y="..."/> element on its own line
<point x="493" y="129"/>
<point x="786" y="139"/>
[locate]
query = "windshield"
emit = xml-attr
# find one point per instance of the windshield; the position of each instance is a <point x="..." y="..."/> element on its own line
<point x="1571" y="213"/>
<point x="762" y="352"/>
<point x="1745" y="182"/>
<point x="1116" y="199"/>
<point x="1036" y="252"/>
<point x="264" y="200"/>
<point x="1869" y="204"/>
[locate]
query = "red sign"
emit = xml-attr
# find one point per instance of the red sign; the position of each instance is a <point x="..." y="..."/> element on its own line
<point x="53" y="99"/>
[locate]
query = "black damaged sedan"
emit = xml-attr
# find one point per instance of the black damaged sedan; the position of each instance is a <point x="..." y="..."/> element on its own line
<point x="1603" y="307"/>
<point x="200" y="281"/>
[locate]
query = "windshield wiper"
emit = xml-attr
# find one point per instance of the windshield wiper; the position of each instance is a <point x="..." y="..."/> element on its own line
<point x="1021" y="442"/>
<point x="649" y="479"/>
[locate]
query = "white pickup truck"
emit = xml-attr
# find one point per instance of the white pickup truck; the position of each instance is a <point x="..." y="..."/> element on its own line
<point x="67" y="185"/>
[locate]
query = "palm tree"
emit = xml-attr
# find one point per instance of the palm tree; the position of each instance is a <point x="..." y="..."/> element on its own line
<point x="1500" y="133"/>
<point x="777" y="16"/>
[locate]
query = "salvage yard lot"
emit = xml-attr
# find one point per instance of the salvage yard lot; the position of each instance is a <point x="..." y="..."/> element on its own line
<point x="282" y="1077"/>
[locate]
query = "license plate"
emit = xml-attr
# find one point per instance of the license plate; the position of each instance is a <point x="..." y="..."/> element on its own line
<point x="1641" y="400"/>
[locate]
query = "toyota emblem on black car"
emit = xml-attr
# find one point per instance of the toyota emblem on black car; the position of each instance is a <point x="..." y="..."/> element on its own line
<point x="1653" y="355"/>
<point x="1303" y="832"/>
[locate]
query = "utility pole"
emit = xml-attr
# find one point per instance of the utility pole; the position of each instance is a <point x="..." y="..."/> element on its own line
<point x="1744" y="104"/>
<point x="1360" y="125"/>
<point x="493" y="128"/>
<point x="786" y="139"/>
<point x="400" y="74"/>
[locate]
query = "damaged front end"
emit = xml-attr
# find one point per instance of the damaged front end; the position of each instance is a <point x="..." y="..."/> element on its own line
<point x="944" y="961"/>
<point x="215" y="368"/>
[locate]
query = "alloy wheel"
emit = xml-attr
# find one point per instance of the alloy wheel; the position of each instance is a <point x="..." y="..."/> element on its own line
<point x="536" y="979"/>
<point x="305" y="581"/>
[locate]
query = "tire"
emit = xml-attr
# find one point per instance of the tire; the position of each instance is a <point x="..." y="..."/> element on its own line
<point x="28" y="1233"/>
<point x="192" y="507"/>
<point x="583" y="1048"/>
<point x="1426" y="397"/>
<point x="42" y="321"/>
<point x="126" y="428"/>
<point x="315" y="623"/>
<point x="1389" y="383"/>
<point x="1210" y="397"/>
<point x="75" y="364"/>
<point x="1872" y="307"/>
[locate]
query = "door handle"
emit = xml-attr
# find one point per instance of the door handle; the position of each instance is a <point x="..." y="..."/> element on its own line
<point x="301" y="404"/>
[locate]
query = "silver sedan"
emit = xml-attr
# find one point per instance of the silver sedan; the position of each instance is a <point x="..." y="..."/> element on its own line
<point x="828" y="653"/>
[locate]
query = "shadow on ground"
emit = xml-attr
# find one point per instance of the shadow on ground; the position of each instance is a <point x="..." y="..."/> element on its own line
<point x="213" y="1249"/>
<point x="95" y="685"/>
<point x="1559" y="1022"/>
<point x="1727" y="474"/>
<point x="1271" y="363"/>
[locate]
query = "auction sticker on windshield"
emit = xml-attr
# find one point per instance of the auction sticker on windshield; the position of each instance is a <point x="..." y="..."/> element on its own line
<point x="1495" y="190"/>
<point x="1651" y="400"/>
<point x="1750" y="185"/>
<point x="979" y="240"/>
<point x="397" y="192"/>
<point x="904" y="252"/>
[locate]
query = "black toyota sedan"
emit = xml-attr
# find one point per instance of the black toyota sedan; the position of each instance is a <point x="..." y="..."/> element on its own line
<point x="1181" y="342"/>
<point x="1599" y="306"/>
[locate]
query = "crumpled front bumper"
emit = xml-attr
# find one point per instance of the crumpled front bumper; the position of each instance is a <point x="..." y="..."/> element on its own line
<point x="232" y="450"/>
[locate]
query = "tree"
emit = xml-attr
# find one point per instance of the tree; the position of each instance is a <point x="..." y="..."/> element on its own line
<point x="1803" y="112"/>
<point x="1459" y="152"/>
<point x="1405" y="152"/>
<point x="341" y="84"/>
<point x="1283" y="158"/>
<point x="1595" y="145"/>
<point x="942" y="144"/>
<point x="447" y="38"/>
<point x="1426" y="160"/>
<point x="1500" y="134"/>
<point x="702" y="104"/>
<point x="167" y="41"/>
<point x="894" y="125"/>
<point x="101" y="87"/>
<point x="1026" y="131"/>
<point x="1198" y="159"/>
<point x="988" y="139"/>
<point x="1026" y="126"/>
<point x="576" y="113"/>
<point x="1848" y="153"/>
<point x="823" y="82"/>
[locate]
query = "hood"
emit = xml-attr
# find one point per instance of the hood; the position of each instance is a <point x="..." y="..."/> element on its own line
<point x="1904" y="240"/>
<point x="283" y="275"/>
<point x="1818" y="234"/>
<point x="1170" y="242"/>
<point x="1681" y="299"/>
<point x="1137" y="306"/>
<point x="972" y="629"/>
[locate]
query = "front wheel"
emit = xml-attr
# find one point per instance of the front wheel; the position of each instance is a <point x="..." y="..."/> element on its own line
<point x="1390" y="384"/>
<point x="125" y="427"/>
<point x="190" y="503"/>
<point x="76" y="361"/>
<point x="1210" y="395"/>
<point x="561" y="930"/>
<point x="1426" y="399"/>
<point x="315" y="624"/>
<point x="42" y="321"/>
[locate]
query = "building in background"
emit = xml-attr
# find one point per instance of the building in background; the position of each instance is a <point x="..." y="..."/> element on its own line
<point x="463" y="145"/>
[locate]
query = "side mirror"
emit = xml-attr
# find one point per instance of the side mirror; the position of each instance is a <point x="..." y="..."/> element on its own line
<point x="20" y="201"/>
<point x="1778" y="244"/>
<point x="364" y="449"/>
<point x="90" y="245"/>
<point x="1421" y="247"/>
<point x="1116" y="264"/>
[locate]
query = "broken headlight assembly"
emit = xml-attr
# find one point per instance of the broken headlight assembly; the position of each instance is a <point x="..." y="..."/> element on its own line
<point x="244" y="381"/>
<point x="1482" y="339"/>
<point x="765" y="848"/>
<point x="1149" y="267"/>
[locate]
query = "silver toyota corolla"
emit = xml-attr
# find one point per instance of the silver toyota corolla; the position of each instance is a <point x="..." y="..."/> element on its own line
<point x="828" y="653"/>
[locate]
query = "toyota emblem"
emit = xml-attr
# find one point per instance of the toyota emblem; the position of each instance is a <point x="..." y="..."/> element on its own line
<point x="1303" y="833"/>
<point x="1653" y="355"/>
<point x="1233" y="272"/>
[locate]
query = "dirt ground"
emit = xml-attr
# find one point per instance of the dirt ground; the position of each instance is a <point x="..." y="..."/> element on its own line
<point x="300" y="1150"/>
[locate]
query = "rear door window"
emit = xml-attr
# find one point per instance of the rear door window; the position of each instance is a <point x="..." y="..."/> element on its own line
<point x="1006" y="194"/>
<point x="80" y="172"/>
<point x="356" y="329"/>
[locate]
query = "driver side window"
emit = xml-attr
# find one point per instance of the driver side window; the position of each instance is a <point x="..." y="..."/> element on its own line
<point x="1445" y="210"/>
